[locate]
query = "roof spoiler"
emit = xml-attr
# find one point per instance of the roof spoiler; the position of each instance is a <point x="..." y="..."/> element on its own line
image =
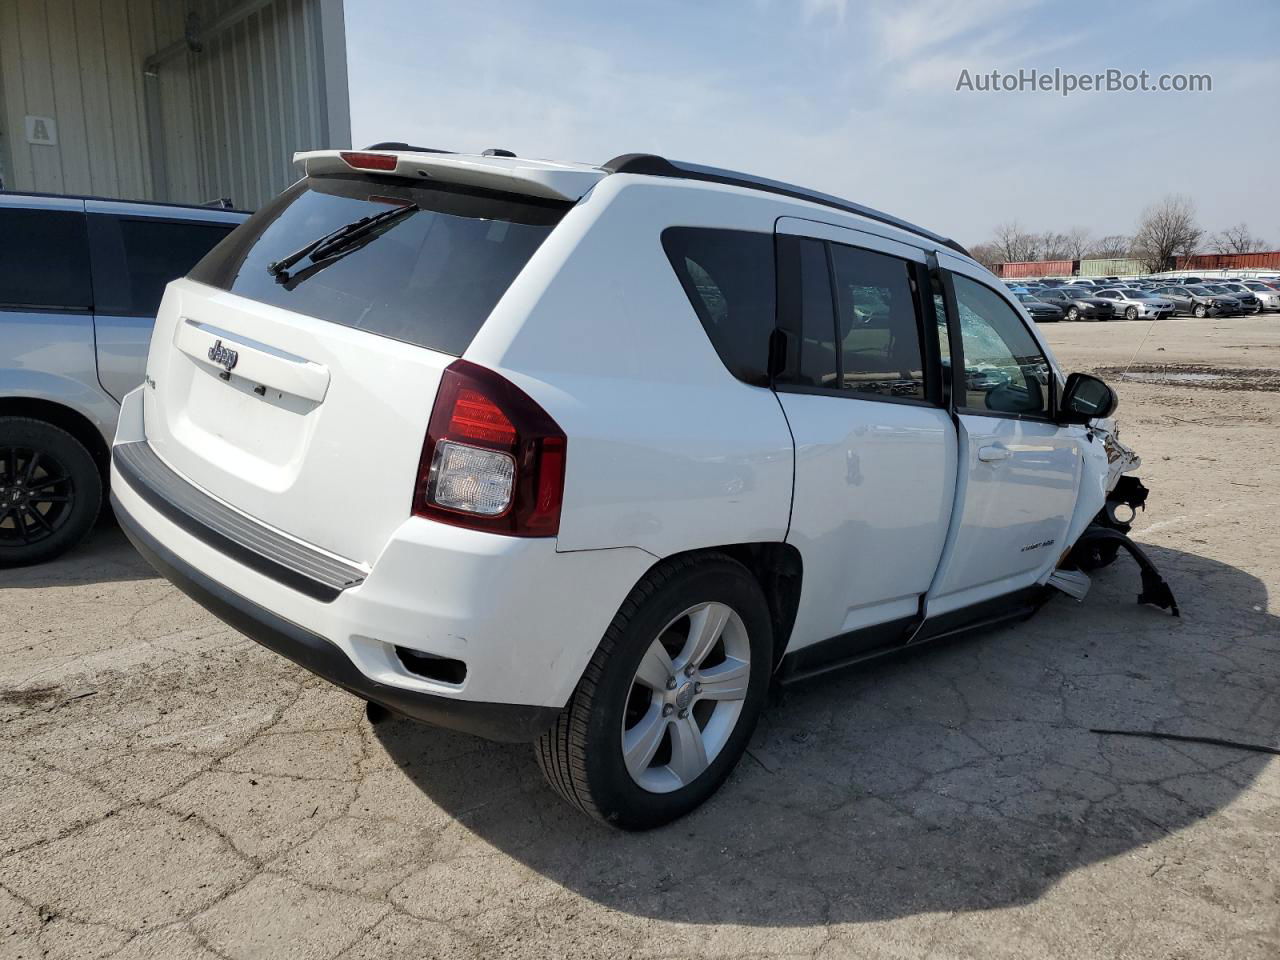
<point x="655" y="166"/>
<point x="534" y="178"/>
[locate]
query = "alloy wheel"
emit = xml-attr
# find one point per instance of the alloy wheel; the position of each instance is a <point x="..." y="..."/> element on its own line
<point x="686" y="697"/>
<point x="36" y="496"/>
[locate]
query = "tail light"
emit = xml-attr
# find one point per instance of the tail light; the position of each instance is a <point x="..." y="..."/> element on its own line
<point x="493" y="459"/>
<point x="369" y="161"/>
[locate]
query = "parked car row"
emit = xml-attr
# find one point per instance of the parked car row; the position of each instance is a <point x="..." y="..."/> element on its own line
<point x="1145" y="298"/>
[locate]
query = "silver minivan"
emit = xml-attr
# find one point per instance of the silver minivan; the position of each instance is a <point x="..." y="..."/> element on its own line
<point x="80" y="281"/>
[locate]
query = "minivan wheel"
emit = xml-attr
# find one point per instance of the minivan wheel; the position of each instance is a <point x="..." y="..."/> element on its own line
<point x="668" y="702"/>
<point x="50" y="491"/>
<point x="1200" y="311"/>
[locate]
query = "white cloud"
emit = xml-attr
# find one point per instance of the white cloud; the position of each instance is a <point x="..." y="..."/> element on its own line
<point x="908" y="29"/>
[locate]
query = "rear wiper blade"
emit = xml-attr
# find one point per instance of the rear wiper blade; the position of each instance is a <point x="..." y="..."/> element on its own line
<point x="332" y="242"/>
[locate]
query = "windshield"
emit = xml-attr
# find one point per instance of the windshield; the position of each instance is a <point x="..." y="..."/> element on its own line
<point x="428" y="277"/>
<point x="1200" y="291"/>
<point x="1135" y="294"/>
<point x="1027" y="298"/>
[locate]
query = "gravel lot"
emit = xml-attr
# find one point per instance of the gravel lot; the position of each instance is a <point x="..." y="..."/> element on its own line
<point x="170" y="790"/>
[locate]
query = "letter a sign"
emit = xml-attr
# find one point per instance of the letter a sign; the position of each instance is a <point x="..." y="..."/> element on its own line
<point x="42" y="130"/>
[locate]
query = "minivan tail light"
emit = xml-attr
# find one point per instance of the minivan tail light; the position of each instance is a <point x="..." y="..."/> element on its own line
<point x="493" y="459"/>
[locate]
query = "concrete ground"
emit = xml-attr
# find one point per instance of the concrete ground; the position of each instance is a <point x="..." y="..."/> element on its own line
<point x="170" y="790"/>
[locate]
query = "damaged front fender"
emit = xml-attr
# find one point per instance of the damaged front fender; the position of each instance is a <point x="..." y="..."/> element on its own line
<point x="1110" y="497"/>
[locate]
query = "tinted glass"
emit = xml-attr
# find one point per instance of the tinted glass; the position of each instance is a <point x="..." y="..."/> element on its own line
<point x="728" y="276"/>
<point x="133" y="259"/>
<point x="429" y="278"/>
<point x="817" y="363"/>
<point x="1005" y="370"/>
<point x="877" y="323"/>
<point x="44" y="260"/>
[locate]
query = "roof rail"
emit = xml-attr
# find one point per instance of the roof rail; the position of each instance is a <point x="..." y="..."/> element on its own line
<point x="403" y="147"/>
<point x="655" y="166"/>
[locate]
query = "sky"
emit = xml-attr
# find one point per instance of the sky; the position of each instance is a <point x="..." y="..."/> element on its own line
<point x="857" y="99"/>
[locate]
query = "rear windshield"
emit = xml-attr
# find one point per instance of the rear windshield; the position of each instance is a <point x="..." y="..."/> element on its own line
<point x="429" y="278"/>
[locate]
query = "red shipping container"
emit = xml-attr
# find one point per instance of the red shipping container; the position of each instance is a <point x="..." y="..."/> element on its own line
<point x="1269" y="260"/>
<point x="1036" y="268"/>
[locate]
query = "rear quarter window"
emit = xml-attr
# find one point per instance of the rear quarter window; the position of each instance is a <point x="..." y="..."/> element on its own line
<point x="429" y="278"/>
<point x="135" y="257"/>
<point x="728" y="276"/>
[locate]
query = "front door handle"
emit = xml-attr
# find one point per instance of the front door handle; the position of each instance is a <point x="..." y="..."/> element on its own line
<point x="991" y="454"/>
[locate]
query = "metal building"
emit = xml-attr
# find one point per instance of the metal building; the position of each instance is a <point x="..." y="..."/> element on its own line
<point x="180" y="100"/>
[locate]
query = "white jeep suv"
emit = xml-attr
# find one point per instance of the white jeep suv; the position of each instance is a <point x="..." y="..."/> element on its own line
<point x="588" y="456"/>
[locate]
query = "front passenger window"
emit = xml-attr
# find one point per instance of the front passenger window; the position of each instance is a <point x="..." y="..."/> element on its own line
<point x="1005" y="370"/>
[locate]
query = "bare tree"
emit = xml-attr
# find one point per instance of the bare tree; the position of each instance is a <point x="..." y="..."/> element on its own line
<point x="987" y="254"/>
<point x="1236" y="239"/>
<point x="1077" y="243"/>
<point x="1055" y="246"/>
<point x="1167" y="228"/>
<point x="1111" y="246"/>
<point x="1015" y="244"/>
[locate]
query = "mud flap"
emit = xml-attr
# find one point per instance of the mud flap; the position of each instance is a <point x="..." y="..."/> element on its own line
<point x="1155" y="590"/>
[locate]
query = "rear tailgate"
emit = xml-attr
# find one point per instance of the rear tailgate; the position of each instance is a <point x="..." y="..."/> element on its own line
<point x="327" y="452"/>
<point x="301" y="396"/>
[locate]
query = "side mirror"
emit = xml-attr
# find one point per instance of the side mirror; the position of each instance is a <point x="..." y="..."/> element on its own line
<point x="1086" y="398"/>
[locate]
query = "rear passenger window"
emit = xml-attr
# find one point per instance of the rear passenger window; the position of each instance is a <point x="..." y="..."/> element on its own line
<point x="44" y="260"/>
<point x="134" y="258"/>
<point x="728" y="276"/>
<point x="878" y="325"/>
<point x="817" y="366"/>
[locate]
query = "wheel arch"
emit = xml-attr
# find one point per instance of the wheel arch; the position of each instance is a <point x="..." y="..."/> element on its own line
<point x="66" y="418"/>
<point x="778" y="569"/>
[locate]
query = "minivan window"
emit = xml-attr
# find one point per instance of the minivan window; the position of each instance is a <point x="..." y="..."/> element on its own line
<point x="878" y="324"/>
<point x="44" y="260"/>
<point x="135" y="257"/>
<point x="430" y="278"/>
<point x="728" y="276"/>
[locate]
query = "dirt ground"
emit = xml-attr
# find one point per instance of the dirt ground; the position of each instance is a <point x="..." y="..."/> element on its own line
<point x="170" y="790"/>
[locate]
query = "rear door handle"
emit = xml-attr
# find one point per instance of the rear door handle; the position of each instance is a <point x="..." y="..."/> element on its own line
<point x="991" y="454"/>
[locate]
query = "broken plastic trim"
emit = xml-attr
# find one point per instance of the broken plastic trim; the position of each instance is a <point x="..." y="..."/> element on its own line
<point x="1128" y="492"/>
<point x="1155" y="590"/>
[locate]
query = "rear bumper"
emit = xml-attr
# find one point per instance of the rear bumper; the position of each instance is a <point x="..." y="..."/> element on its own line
<point x="517" y="618"/>
<point x="493" y="721"/>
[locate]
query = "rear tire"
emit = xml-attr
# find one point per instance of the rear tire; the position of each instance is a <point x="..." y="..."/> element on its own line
<point x="621" y="699"/>
<point x="50" y="491"/>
